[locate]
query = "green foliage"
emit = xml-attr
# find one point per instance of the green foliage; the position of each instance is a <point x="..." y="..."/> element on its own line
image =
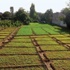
<point x="65" y="11"/>
<point x="6" y="15"/>
<point x="48" y="16"/>
<point x="7" y="23"/>
<point x="22" y="16"/>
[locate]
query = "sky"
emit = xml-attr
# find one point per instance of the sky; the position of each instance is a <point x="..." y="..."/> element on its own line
<point x="40" y="5"/>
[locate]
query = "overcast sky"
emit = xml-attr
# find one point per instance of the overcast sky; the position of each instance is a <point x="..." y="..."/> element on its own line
<point x="40" y="5"/>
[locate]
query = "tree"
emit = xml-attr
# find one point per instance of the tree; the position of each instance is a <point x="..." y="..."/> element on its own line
<point x="1" y="16"/>
<point x="65" y="11"/>
<point x="33" y="14"/>
<point x="48" y="16"/>
<point x="67" y="20"/>
<point x="6" y="15"/>
<point x="12" y="14"/>
<point x="41" y="18"/>
<point x="22" y="16"/>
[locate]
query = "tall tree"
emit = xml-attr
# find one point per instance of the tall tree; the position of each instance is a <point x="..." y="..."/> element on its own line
<point x="41" y="17"/>
<point x="48" y="16"/>
<point x="67" y="19"/>
<point x="1" y="16"/>
<point x="33" y="14"/>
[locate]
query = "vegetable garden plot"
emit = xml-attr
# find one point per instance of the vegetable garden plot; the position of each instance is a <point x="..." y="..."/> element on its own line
<point x="67" y="41"/>
<point x="19" y="44"/>
<point x="24" y="31"/>
<point x="21" y="37"/>
<point x="39" y="31"/>
<point x="61" y="64"/>
<point x="40" y="36"/>
<point x="57" y="36"/>
<point x="46" y="42"/>
<point x="4" y="33"/>
<point x="7" y="30"/>
<point x="51" y="31"/>
<point x="19" y="60"/>
<point x="58" y="54"/>
<point x="67" y="35"/>
<point x="44" y="39"/>
<point x="2" y="37"/>
<point x="26" y="68"/>
<point x="52" y="47"/>
<point x="21" y="40"/>
<point x="9" y="51"/>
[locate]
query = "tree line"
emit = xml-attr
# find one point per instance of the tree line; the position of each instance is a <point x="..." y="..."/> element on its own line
<point x="26" y="17"/>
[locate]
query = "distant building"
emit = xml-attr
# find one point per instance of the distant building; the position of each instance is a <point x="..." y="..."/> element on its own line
<point x="56" y="19"/>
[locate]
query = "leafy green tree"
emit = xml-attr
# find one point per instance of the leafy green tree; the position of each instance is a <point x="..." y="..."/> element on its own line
<point x="21" y="16"/>
<point x="67" y="18"/>
<point x="33" y="14"/>
<point x="65" y="11"/>
<point x="1" y="16"/>
<point x="6" y="15"/>
<point x="48" y="16"/>
<point x="41" y="17"/>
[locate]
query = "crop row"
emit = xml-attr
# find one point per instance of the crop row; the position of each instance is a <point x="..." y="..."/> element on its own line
<point x="5" y="32"/>
<point x="6" y="51"/>
<point x="19" y="60"/>
<point x="39" y="31"/>
<point x="63" y="39"/>
<point x="58" y="54"/>
<point x="25" y="68"/>
<point x="61" y="64"/>
<point x="21" y="44"/>
<point x="52" y="47"/>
